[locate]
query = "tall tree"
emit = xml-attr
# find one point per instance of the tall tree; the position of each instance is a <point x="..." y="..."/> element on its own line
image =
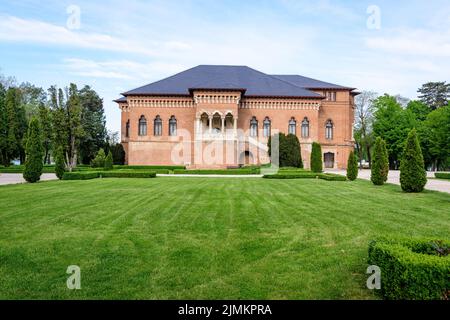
<point x="14" y="135"/>
<point x="419" y="109"/>
<point x="74" y="126"/>
<point x="316" y="158"/>
<point x="34" y="152"/>
<point x="413" y="176"/>
<point x="46" y="129"/>
<point x="32" y="98"/>
<point x="434" y="136"/>
<point x="392" y="123"/>
<point x="363" y="124"/>
<point x="3" y="126"/>
<point x="435" y="94"/>
<point x="93" y="123"/>
<point x="380" y="169"/>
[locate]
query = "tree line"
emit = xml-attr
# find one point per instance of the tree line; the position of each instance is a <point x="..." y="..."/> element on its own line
<point x="70" y="120"/>
<point x="391" y="118"/>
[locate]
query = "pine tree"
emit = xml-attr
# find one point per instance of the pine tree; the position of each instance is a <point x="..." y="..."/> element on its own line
<point x="316" y="158"/>
<point x="109" y="161"/>
<point x="99" y="160"/>
<point x="412" y="171"/>
<point x="34" y="153"/>
<point x="60" y="166"/>
<point x="352" y="167"/>
<point x="380" y="163"/>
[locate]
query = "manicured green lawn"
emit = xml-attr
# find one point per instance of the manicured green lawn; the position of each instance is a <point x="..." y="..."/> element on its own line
<point x="191" y="238"/>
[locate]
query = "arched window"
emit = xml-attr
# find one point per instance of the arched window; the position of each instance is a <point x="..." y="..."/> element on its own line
<point x="266" y="127"/>
<point x="254" y="127"/>
<point x="157" y="126"/>
<point x="127" y="129"/>
<point x="329" y="130"/>
<point x="142" y="126"/>
<point x="172" y="126"/>
<point x="292" y="126"/>
<point x="305" y="128"/>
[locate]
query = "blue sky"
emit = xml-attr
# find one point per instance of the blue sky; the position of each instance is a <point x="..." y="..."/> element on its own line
<point x="120" y="45"/>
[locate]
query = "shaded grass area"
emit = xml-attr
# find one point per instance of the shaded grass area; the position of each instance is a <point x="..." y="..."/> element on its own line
<point x="192" y="238"/>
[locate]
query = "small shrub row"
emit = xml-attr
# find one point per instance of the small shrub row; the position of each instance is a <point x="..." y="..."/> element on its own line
<point x="87" y="175"/>
<point x="223" y="172"/>
<point x="442" y="175"/>
<point x="412" y="269"/>
<point x="127" y="174"/>
<point x="80" y="175"/>
<point x="305" y="175"/>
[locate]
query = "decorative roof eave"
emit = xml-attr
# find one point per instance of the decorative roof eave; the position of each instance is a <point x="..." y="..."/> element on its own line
<point x="285" y="97"/>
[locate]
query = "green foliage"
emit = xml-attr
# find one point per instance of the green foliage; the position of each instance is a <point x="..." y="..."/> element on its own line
<point x="93" y="124"/>
<point x="413" y="176"/>
<point x="352" y="167"/>
<point x="118" y="153"/>
<point x="289" y="150"/>
<point x="419" y="109"/>
<point x="380" y="164"/>
<point x="60" y="166"/>
<point x="3" y="128"/>
<point x="109" y="161"/>
<point x="14" y="135"/>
<point x="316" y="158"/>
<point x="442" y="175"/>
<point x="34" y="153"/>
<point x="99" y="160"/>
<point x="294" y="156"/>
<point x="46" y="130"/>
<point x="221" y="172"/>
<point x="411" y="269"/>
<point x="435" y="94"/>
<point x="392" y="123"/>
<point x="434" y="135"/>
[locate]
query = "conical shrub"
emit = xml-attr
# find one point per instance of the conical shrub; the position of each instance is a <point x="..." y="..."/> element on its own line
<point x="413" y="177"/>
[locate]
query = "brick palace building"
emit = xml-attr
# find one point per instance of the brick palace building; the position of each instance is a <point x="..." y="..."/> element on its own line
<point x="192" y="117"/>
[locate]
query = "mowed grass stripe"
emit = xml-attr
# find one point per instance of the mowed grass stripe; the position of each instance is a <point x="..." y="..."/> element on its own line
<point x="170" y="238"/>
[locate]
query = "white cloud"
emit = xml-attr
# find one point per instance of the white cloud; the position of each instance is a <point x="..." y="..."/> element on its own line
<point x="119" y="69"/>
<point x="413" y="42"/>
<point x="14" y="29"/>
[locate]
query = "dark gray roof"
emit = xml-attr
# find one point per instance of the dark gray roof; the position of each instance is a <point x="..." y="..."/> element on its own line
<point x="252" y="82"/>
<point x="309" y="83"/>
<point x="122" y="99"/>
<point x="245" y="79"/>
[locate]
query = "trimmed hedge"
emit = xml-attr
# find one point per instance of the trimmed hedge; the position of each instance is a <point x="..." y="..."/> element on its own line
<point x="148" y="167"/>
<point x="309" y="175"/>
<point x="127" y="174"/>
<point x="412" y="269"/>
<point x="87" y="175"/>
<point x="305" y="175"/>
<point x="442" y="175"/>
<point x="80" y="175"/>
<point x="223" y="172"/>
<point x="332" y="177"/>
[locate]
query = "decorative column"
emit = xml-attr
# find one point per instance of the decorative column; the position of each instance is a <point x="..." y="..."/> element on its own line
<point x="210" y="123"/>
<point x="197" y="127"/>
<point x="223" y="125"/>
<point x="235" y="126"/>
